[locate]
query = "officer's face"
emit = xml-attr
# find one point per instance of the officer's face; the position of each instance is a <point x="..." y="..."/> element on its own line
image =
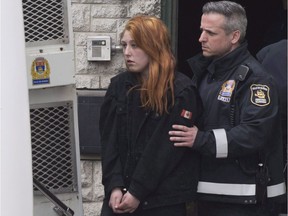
<point x="135" y="58"/>
<point x="214" y="40"/>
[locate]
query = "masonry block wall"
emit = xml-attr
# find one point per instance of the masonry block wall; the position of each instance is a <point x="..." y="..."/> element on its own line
<point x="93" y="18"/>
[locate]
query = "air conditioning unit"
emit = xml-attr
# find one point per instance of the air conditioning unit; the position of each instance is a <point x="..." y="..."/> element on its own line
<point x="49" y="43"/>
<point x="53" y="106"/>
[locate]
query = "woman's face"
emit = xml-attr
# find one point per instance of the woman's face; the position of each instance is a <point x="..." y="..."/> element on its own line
<point x="135" y="58"/>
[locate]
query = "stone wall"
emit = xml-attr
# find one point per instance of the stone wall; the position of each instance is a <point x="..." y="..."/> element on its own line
<point x="91" y="18"/>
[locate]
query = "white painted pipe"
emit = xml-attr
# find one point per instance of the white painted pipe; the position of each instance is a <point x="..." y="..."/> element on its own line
<point x="16" y="158"/>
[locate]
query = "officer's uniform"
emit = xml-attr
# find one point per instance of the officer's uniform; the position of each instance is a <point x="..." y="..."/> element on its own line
<point x="241" y="129"/>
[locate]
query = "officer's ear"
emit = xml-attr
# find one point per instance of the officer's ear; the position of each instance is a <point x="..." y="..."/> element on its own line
<point x="235" y="37"/>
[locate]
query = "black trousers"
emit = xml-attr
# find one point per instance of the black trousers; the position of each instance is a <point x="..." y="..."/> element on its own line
<point x="171" y="210"/>
<point x="206" y="208"/>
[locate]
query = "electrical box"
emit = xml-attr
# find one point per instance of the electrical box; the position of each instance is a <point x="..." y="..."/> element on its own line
<point x="99" y="48"/>
<point x="53" y="105"/>
<point x="49" y="43"/>
<point x="89" y="104"/>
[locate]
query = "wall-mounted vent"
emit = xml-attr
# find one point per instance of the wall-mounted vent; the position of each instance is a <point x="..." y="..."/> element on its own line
<point x="45" y="22"/>
<point x="52" y="134"/>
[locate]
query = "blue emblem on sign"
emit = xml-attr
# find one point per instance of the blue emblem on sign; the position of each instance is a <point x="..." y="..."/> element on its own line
<point x="40" y="71"/>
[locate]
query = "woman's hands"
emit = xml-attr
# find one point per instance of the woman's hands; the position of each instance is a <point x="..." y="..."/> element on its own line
<point x="123" y="203"/>
<point x="115" y="198"/>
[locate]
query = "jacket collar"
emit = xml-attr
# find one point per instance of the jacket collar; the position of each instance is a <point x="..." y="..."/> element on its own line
<point x="130" y="79"/>
<point x="218" y="67"/>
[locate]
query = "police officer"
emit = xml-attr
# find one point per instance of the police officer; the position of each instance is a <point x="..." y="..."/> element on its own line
<point x="274" y="58"/>
<point x="240" y="135"/>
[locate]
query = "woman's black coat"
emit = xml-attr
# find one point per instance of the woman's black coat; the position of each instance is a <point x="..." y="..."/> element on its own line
<point x="136" y="151"/>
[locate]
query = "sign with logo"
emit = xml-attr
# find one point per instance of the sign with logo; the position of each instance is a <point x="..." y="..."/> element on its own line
<point x="40" y="71"/>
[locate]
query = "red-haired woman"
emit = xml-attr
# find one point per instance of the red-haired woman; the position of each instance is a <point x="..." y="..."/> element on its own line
<point x="143" y="173"/>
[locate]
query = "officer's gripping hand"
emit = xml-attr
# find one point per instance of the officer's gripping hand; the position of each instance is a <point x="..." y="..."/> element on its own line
<point x="183" y="136"/>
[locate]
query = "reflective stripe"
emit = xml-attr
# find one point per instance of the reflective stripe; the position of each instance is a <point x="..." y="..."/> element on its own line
<point x="227" y="189"/>
<point x="276" y="190"/>
<point x="221" y="143"/>
<point x="238" y="189"/>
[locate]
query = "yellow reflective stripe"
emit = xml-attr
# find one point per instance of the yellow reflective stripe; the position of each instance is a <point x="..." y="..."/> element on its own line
<point x="221" y="143"/>
<point x="276" y="190"/>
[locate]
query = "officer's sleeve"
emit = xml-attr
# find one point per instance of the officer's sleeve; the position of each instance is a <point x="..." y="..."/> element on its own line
<point x="160" y="156"/>
<point x="111" y="166"/>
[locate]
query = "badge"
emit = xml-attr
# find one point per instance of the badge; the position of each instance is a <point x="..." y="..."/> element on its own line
<point x="186" y="114"/>
<point x="226" y="91"/>
<point x="260" y="94"/>
<point x="40" y="71"/>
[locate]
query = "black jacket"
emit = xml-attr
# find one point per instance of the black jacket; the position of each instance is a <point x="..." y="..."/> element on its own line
<point x="137" y="153"/>
<point x="241" y="128"/>
<point x="274" y="58"/>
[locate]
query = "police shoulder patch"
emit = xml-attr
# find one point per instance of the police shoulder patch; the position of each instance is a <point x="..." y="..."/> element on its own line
<point x="260" y="94"/>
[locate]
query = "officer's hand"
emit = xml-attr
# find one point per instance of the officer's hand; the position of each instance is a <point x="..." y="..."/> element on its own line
<point x="183" y="136"/>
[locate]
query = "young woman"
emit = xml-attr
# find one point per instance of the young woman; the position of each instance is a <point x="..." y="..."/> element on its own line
<point x="143" y="173"/>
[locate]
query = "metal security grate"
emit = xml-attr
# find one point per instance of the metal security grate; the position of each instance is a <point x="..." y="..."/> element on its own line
<point x="45" y="22"/>
<point x="52" y="137"/>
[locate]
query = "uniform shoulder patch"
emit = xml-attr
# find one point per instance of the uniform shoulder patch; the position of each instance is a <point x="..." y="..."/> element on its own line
<point x="260" y="94"/>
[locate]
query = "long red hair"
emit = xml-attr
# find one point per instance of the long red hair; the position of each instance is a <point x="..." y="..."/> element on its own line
<point x="151" y="35"/>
